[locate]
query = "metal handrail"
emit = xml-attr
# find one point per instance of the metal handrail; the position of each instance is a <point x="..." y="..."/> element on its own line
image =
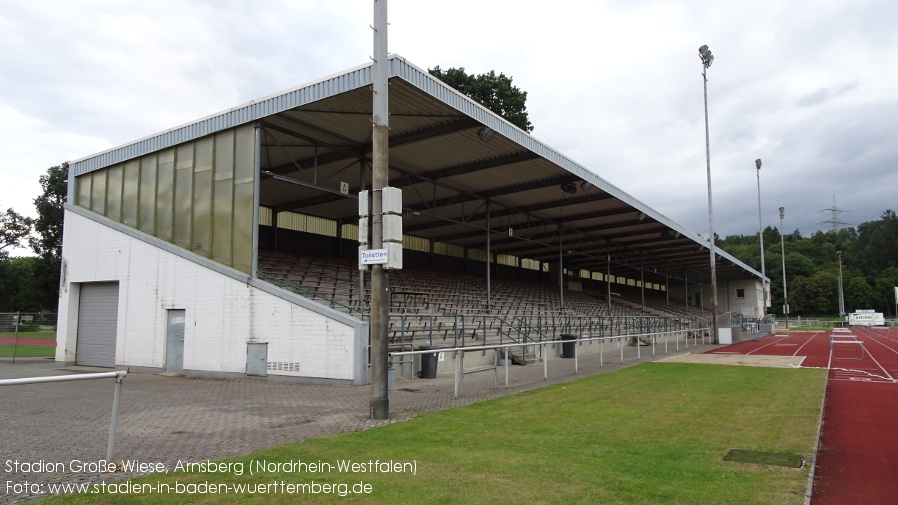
<point x="459" y="352"/>
<point x="118" y="375"/>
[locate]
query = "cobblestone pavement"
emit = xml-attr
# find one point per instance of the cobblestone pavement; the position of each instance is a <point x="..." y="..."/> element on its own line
<point x="169" y="418"/>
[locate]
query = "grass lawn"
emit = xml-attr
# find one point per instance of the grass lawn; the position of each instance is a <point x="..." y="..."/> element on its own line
<point x="27" y="351"/>
<point x="650" y="434"/>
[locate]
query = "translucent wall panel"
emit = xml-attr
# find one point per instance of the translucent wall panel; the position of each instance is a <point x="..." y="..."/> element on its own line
<point x="114" y="193"/>
<point x="202" y="197"/>
<point x="146" y="217"/>
<point x="198" y="195"/>
<point x="244" y="177"/>
<point x="222" y="220"/>
<point x="310" y="224"/>
<point x="130" y="185"/>
<point x="82" y="191"/>
<point x="409" y="242"/>
<point x="165" y="186"/>
<point x="183" y="218"/>
<point x="98" y="192"/>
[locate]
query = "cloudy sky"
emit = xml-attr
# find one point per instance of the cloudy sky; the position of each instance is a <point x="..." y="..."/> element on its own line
<point x="810" y="87"/>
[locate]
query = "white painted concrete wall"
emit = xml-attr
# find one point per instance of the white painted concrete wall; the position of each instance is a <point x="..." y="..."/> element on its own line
<point x="750" y="305"/>
<point x="222" y="313"/>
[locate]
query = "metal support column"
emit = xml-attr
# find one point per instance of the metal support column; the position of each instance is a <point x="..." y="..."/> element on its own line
<point x="489" y="260"/>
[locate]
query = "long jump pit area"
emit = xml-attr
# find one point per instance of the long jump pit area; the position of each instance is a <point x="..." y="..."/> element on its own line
<point x="856" y="456"/>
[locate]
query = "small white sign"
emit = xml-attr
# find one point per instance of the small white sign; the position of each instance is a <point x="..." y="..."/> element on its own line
<point x="374" y="257"/>
<point x="441" y="357"/>
<point x="510" y="232"/>
<point x="344" y="188"/>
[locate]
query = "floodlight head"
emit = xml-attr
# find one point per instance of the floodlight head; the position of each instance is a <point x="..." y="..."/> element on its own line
<point x="640" y="216"/>
<point x="485" y="133"/>
<point x="782" y="210"/>
<point x="585" y="185"/>
<point x="758" y="163"/>
<point x="705" y="54"/>
<point x="569" y="188"/>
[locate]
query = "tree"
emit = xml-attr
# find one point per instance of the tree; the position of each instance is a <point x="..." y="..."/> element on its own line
<point x="495" y="92"/>
<point x="885" y="290"/>
<point x="48" y="226"/>
<point x="13" y="230"/>
<point x="814" y="295"/>
<point x="876" y="247"/>
<point x="18" y="285"/>
<point x="859" y="294"/>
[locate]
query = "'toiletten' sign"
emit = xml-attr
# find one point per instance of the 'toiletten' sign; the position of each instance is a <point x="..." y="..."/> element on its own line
<point x="374" y="257"/>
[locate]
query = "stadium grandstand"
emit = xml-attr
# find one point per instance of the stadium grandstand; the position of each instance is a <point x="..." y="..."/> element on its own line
<point x="229" y="247"/>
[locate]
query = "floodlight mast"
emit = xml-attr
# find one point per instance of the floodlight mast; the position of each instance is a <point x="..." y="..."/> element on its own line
<point x="707" y="58"/>
<point x="761" y="235"/>
<point x="841" y="292"/>
<point x="783" y="249"/>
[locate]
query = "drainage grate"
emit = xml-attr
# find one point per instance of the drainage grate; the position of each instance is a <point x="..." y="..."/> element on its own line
<point x="765" y="458"/>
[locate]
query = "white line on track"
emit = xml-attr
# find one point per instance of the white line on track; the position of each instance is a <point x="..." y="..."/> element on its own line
<point x="873" y="339"/>
<point x="806" y="343"/>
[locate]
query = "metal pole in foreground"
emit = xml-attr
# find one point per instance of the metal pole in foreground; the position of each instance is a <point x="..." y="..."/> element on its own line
<point x="707" y="58"/>
<point x="15" y="338"/>
<point x="380" y="400"/>
<point x="761" y="235"/>
<point x="113" y="423"/>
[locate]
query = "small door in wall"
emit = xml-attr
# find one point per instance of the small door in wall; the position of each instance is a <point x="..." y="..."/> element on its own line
<point x="257" y="358"/>
<point x="174" y="340"/>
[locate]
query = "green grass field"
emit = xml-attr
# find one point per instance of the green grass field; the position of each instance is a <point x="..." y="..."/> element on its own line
<point x="654" y="433"/>
<point x="27" y="351"/>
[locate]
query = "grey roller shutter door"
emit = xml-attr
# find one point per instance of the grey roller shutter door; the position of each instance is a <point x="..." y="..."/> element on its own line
<point x="97" y="321"/>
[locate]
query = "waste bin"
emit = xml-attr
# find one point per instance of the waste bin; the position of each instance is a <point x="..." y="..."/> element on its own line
<point x="568" y="345"/>
<point x="428" y="363"/>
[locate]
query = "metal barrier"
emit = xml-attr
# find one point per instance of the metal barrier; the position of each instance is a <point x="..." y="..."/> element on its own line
<point x="119" y="375"/>
<point x="460" y="372"/>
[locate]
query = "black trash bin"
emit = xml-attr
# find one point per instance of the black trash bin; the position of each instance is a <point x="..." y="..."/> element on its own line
<point x="568" y="345"/>
<point x="428" y="363"/>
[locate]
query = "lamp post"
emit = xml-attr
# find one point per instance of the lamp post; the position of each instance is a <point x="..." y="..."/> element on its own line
<point x="707" y="58"/>
<point x="785" y="291"/>
<point x="841" y="292"/>
<point x="761" y="235"/>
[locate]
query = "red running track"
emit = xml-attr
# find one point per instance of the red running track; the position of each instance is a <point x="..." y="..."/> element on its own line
<point x="857" y="458"/>
<point x="37" y="342"/>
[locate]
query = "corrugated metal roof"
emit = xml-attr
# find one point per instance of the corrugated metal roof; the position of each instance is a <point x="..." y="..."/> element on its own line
<point x="319" y="134"/>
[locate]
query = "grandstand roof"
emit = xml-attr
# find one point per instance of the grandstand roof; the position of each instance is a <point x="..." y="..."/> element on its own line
<point x="456" y="186"/>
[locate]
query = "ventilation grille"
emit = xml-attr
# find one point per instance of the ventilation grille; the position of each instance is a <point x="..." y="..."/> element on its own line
<point x="282" y="366"/>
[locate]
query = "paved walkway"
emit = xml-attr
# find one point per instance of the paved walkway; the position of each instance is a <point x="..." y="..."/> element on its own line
<point x="165" y="419"/>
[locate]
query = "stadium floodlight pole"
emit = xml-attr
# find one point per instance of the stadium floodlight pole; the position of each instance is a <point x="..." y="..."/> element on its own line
<point x="380" y="400"/>
<point x="707" y="58"/>
<point x="841" y="292"/>
<point x="783" y="249"/>
<point x="761" y="234"/>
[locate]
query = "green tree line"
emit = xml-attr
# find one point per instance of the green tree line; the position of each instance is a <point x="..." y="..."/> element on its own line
<point x="869" y="266"/>
<point x="31" y="283"/>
